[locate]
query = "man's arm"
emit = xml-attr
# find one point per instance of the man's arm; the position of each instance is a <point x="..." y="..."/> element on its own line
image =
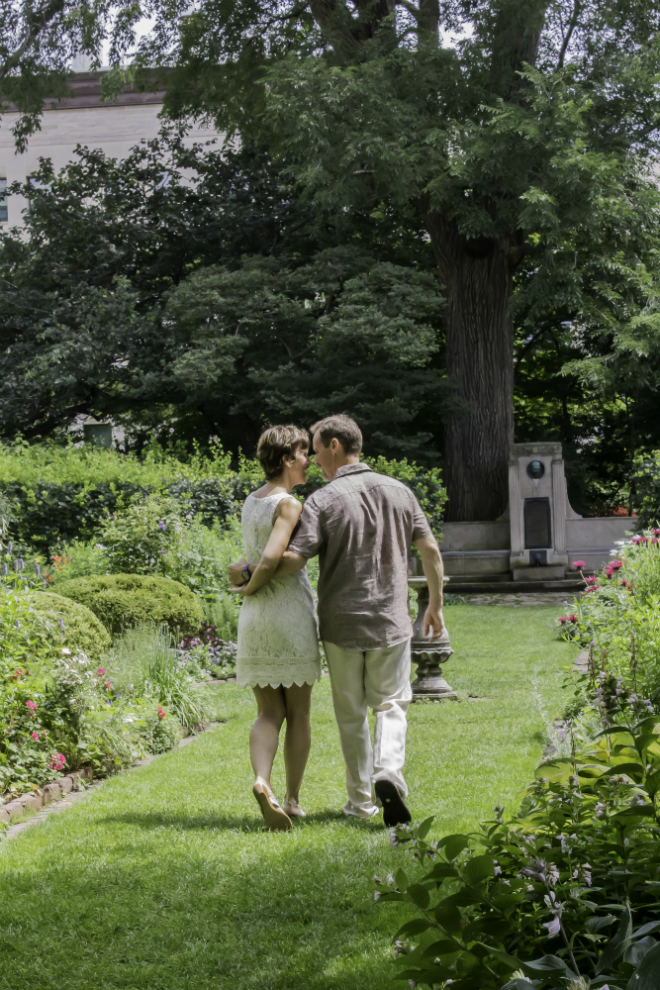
<point x="290" y="563"/>
<point x="433" y="572"/>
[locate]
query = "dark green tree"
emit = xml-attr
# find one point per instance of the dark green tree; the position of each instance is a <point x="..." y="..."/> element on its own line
<point x="211" y="304"/>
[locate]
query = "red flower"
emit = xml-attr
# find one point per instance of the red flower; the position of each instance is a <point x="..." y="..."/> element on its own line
<point x="57" y="761"/>
<point x="35" y="735"/>
<point x="563" y="619"/>
<point x="161" y="712"/>
<point x="572" y="618"/>
<point x="591" y="580"/>
<point x="19" y="673"/>
<point x="100" y="672"/>
<point x="579" y="564"/>
<point x="108" y="685"/>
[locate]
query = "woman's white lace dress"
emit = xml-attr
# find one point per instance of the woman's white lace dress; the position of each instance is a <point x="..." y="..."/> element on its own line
<point x="277" y="638"/>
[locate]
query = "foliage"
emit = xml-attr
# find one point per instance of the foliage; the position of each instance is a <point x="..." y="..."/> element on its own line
<point x="67" y="623"/>
<point x="647" y="483"/>
<point x="208" y="654"/>
<point x="224" y="277"/>
<point x="63" y="493"/>
<point x="567" y="890"/>
<point x="618" y="617"/>
<point x="121" y="600"/>
<point x="144" y="663"/>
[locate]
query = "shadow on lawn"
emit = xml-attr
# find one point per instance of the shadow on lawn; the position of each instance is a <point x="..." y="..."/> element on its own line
<point x="245" y="823"/>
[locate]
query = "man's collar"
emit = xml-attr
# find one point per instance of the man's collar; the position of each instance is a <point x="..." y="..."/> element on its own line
<point x="351" y="469"/>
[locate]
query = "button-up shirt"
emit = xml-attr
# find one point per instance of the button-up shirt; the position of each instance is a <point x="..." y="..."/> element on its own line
<point x="361" y="525"/>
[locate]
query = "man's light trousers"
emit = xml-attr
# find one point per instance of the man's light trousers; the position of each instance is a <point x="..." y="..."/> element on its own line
<point x="380" y="680"/>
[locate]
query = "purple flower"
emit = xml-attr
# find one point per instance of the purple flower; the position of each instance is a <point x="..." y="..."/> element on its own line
<point x="61" y="623"/>
<point x="10" y="546"/>
<point x="162" y="526"/>
<point x="22" y="563"/>
<point x="4" y="570"/>
<point x="36" y="570"/>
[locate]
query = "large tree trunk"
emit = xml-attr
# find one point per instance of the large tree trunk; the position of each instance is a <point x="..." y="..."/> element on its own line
<point x="479" y="340"/>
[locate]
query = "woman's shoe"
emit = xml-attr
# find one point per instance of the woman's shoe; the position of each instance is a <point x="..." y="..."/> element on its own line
<point x="274" y="817"/>
<point x="293" y="810"/>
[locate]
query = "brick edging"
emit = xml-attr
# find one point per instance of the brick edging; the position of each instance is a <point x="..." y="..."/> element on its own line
<point x="53" y="791"/>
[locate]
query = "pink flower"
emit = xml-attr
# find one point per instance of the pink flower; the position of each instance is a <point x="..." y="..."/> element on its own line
<point x="57" y="761"/>
<point x="562" y="620"/>
<point x="35" y="735"/>
<point x="161" y="712"/>
<point x="32" y="705"/>
<point x="572" y="618"/>
<point x="654" y="539"/>
<point x="591" y="580"/>
<point x="100" y="672"/>
<point x="578" y="564"/>
<point x="108" y="685"/>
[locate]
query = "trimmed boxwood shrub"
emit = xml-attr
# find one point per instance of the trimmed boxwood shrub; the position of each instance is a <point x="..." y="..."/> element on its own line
<point x="122" y="600"/>
<point x="79" y="628"/>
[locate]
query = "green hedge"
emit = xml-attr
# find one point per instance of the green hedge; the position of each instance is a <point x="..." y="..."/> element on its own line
<point x="60" y="494"/>
<point x="70" y="624"/>
<point x="647" y="489"/>
<point x="123" y="600"/>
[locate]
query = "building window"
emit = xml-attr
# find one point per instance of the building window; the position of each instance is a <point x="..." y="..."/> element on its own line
<point x="4" y="212"/>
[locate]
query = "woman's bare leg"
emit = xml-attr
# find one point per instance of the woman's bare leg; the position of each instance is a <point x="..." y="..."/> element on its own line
<point x="297" y="743"/>
<point x="265" y="733"/>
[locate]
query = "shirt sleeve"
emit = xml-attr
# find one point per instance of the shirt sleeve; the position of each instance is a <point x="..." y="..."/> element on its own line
<point x="307" y="538"/>
<point x="421" y="525"/>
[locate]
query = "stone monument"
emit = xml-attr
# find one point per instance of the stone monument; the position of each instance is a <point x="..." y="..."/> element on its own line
<point x="538" y="510"/>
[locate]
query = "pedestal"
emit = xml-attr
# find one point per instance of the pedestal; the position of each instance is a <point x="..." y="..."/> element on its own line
<point x="429" y="657"/>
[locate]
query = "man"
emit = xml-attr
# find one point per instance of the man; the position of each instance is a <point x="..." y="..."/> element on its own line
<point x="361" y="525"/>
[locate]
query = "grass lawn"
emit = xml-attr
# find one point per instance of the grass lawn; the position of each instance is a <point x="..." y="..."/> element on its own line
<point x="164" y="879"/>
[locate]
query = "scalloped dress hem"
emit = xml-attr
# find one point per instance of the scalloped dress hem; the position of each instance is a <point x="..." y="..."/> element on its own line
<point x="310" y="674"/>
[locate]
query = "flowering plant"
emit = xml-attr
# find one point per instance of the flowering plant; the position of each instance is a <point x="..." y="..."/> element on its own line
<point x="566" y="893"/>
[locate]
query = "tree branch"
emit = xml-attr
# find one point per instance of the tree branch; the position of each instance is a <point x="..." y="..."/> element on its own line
<point x="572" y="24"/>
<point x="36" y="24"/>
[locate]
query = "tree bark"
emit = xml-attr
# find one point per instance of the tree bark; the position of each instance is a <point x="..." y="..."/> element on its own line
<point x="479" y="342"/>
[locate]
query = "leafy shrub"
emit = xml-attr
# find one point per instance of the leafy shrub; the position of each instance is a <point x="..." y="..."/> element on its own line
<point x="206" y="654"/>
<point x="137" y="541"/>
<point x="619" y="615"/>
<point x="60" y="494"/>
<point x="569" y="890"/>
<point x="68" y="623"/>
<point x="122" y="600"/>
<point x="647" y="487"/>
<point x="143" y="663"/>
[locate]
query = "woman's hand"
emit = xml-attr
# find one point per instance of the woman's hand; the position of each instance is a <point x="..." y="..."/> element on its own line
<point x="235" y="572"/>
<point x="239" y="589"/>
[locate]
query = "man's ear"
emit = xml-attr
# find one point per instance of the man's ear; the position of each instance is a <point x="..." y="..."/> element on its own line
<point x="334" y="445"/>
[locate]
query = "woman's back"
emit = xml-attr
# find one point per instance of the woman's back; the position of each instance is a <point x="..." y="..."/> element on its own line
<point x="277" y="637"/>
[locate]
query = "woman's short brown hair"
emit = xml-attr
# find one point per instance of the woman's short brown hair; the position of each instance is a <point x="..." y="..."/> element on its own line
<point x="276" y="443"/>
<point x="343" y="428"/>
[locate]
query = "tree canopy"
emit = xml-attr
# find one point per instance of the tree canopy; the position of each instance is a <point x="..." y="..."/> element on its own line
<point x="518" y="134"/>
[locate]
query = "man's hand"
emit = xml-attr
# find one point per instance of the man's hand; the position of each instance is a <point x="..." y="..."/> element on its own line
<point x="433" y="623"/>
<point x="235" y="572"/>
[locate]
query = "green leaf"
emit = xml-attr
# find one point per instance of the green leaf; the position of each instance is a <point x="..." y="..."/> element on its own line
<point x="616" y="946"/>
<point x="478" y="868"/>
<point x="419" y="895"/>
<point x="414" y="927"/>
<point x="442" y="871"/>
<point x="549" y="964"/>
<point x="646" y="976"/>
<point x="449" y="917"/>
<point x="453" y="845"/>
<point x="597" y="924"/>
<point x="401" y="880"/>
<point x="423" y="829"/>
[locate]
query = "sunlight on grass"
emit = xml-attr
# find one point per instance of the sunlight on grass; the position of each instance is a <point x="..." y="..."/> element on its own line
<point x="163" y="879"/>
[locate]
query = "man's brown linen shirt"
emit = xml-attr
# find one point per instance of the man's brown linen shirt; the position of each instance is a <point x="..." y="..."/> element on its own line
<point x="361" y="525"/>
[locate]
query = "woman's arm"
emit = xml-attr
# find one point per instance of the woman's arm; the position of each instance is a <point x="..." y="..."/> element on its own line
<point x="287" y="516"/>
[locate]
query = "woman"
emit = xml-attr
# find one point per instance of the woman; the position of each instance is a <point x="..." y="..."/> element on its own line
<point x="278" y="653"/>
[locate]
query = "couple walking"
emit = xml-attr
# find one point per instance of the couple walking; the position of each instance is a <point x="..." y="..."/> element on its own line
<point x="361" y="525"/>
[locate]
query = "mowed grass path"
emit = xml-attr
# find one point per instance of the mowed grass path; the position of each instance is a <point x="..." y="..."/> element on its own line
<point x="164" y="879"/>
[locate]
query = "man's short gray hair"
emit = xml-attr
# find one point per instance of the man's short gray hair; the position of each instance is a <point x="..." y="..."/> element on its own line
<point x="343" y="428"/>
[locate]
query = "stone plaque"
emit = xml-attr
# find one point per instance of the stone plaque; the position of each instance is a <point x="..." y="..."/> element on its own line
<point x="538" y="533"/>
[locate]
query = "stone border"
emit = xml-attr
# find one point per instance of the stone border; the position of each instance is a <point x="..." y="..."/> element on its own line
<point x="53" y="791"/>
